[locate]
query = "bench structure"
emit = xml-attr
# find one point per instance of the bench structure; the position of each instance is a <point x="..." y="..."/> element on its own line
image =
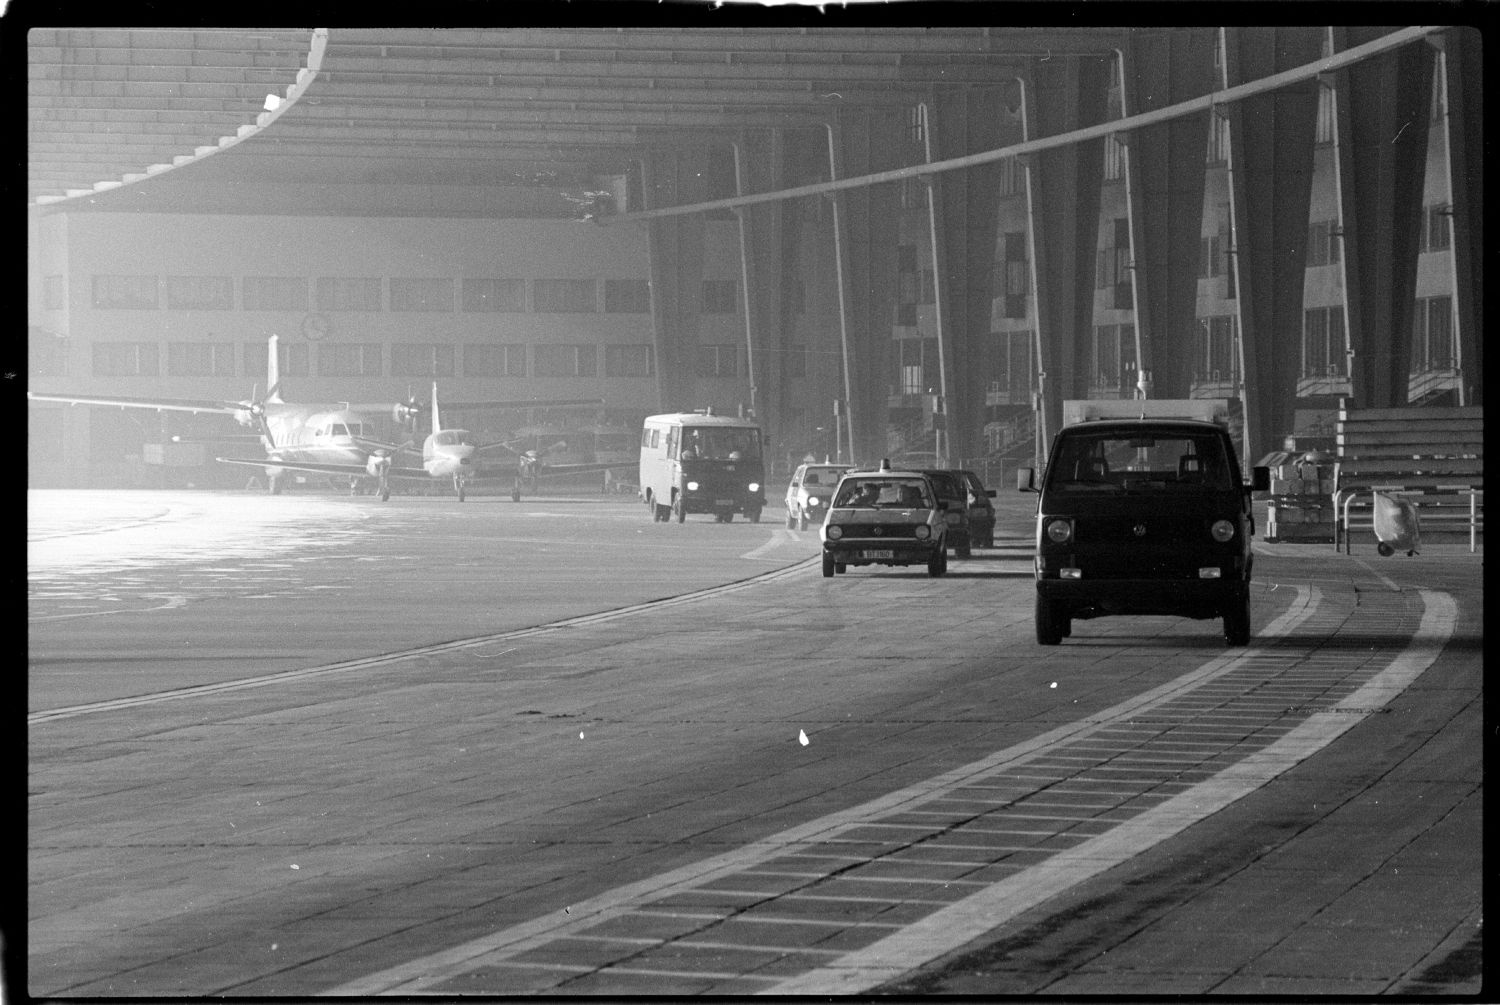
<point x="1434" y="457"/>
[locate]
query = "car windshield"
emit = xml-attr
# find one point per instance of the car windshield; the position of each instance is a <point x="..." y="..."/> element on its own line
<point x="827" y="477"/>
<point x="884" y="493"/>
<point x="721" y="443"/>
<point x="1125" y="461"/>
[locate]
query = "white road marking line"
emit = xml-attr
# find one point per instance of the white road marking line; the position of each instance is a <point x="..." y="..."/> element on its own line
<point x="968" y="919"/>
<point x="497" y="947"/>
<point x="776" y="540"/>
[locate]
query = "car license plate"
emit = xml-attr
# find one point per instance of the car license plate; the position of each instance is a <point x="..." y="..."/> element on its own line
<point x="878" y="553"/>
<point x="723" y="502"/>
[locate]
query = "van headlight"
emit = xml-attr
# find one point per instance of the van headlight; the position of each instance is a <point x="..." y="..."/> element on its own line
<point x="814" y="501"/>
<point x="754" y="486"/>
<point x="692" y="486"/>
<point x="1059" y="531"/>
<point x="1223" y="531"/>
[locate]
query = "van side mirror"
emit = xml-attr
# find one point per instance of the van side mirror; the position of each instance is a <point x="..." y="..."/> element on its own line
<point x="1260" y="478"/>
<point x="1026" y="479"/>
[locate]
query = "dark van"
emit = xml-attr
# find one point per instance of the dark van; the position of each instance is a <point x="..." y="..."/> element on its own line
<point x="1142" y="510"/>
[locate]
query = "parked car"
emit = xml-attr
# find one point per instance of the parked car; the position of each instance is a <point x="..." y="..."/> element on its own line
<point x="885" y="517"/>
<point x="981" y="512"/>
<point x="808" y="493"/>
<point x="954" y="490"/>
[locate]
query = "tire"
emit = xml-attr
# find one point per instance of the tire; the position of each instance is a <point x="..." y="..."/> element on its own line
<point x="1048" y="622"/>
<point x="840" y="567"/>
<point x="679" y="509"/>
<point x="938" y="563"/>
<point x="729" y="517"/>
<point x="828" y="565"/>
<point x="1237" y="620"/>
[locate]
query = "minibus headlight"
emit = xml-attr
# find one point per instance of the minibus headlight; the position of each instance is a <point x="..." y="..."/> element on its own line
<point x="754" y="486"/>
<point x="692" y="486"/>
<point x="1059" y="531"/>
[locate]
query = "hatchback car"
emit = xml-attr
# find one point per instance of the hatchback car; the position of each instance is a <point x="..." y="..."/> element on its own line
<point x="981" y="511"/>
<point x="954" y="491"/>
<point x="808" y="493"/>
<point x="885" y="517"/>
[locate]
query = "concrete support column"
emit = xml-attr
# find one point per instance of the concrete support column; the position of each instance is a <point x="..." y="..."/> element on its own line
<point x="1384" y="106"/>
<point x="1464" y="69"/>
<point x="1166" y="164"/>
<point x="671" y="178"/>
<point x="967" y="207"/>
<point x="1062" y="94"/>
<point x="758" y="168"/>
<point x="1271" y="138"/>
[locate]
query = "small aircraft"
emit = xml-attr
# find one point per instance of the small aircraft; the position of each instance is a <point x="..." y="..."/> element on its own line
<point x="337" y="439"/>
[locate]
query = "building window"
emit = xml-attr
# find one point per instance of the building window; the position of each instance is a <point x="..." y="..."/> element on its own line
<point x="1432" y="335"/>
<point x="628" y="361"/>
<point x="200" y="359"/>
<point x="339" y="293"/>
<point x="1437" y="233"/>
<point x="1323" y="243"/>
<point x="1114" y="158"/>
<point x="912" y="358"/>
<point x="1012" y="176"/>
<point x="1218" y="139"/>
<point x="54" y="293"/>
<point x="720" y="296"/>
<point x="1114" y="357"/>
<point x="125" y="293"/>
<point x="1017" y="274"/>
<point x="482" y="296"/>
<point x="565" y="359"/>
<point x="200" y="293"/>
<point x="349" y="359"/>
<point x="1209" y="257"/>
<point x="1323" y="342"/>
<point x="627" y="296"/>
<point x="125" y="359"/>
<point x="291" y="359"/>
<point x="565" y="296"/>
<point x="1325" y="128"/>
<point x="1218" y="350"/>
<point x="489" y="359"/>
<point x="916" y="126"/>
<point x="273" y="293"/>
<point x="419" y="360"/>
<point x="718" y="360"/>
<point x="433" y="295"/>
<point x="1112" y="267"/>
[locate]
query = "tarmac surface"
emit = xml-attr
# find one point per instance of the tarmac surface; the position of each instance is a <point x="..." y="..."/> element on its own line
<point x="320" y="745"/>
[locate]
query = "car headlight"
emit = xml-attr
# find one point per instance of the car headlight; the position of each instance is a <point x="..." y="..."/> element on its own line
<point x="1059" y="531"/>
<point x="1223" y="531"/>
<point x="923" y="532"/>
<point x="692" y="486"/>
<point x="754" y="486"/>
<point x="835" y="532"/>
<point x="814" y="501"/>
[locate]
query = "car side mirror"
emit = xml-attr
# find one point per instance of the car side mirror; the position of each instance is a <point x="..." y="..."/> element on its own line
<point x="1026" y="479"/>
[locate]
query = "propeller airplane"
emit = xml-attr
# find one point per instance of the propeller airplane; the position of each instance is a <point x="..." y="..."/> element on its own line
<point x="337" y="439"/>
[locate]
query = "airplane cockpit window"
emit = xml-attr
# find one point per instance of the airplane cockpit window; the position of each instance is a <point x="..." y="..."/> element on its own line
<point x="338" y="429"/>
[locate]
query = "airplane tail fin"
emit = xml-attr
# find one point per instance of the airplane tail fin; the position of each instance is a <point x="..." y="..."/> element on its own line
<point x="273" y="369"/>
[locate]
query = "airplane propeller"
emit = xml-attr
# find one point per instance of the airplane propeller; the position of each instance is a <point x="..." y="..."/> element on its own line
<point x="405" y="413"/>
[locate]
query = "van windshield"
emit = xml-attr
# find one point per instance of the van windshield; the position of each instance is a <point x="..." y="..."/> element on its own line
<point x="721" y="443"/>
<point x="1140" y="460"/>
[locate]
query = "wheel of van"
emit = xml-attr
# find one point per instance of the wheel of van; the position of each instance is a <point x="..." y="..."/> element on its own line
<point x="828" y="565"/>
<point x="661" y="513"/>
<point x="1237" y="620"/>
<point x="1048" y="622"/>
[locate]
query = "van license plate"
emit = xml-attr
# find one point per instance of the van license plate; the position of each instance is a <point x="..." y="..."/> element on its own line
<point x="723" y="502"/>
<point x="885" y="553"/>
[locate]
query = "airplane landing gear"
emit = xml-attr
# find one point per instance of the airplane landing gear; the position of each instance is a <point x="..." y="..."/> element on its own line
<point x="458" y="486"/>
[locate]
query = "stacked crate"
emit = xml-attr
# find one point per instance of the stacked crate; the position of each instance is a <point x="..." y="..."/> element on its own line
<point x="1301" y="505"/>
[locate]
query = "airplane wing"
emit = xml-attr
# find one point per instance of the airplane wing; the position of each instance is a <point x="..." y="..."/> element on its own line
<point x="525" y="403"/>
<point x="553" y="470"/>
<point x="324" y="468"/>
<point x="160" y="404"/>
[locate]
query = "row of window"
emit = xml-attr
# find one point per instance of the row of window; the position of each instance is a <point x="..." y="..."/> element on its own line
<point x="346" y="293"/>
<point x="368" y="359"/>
